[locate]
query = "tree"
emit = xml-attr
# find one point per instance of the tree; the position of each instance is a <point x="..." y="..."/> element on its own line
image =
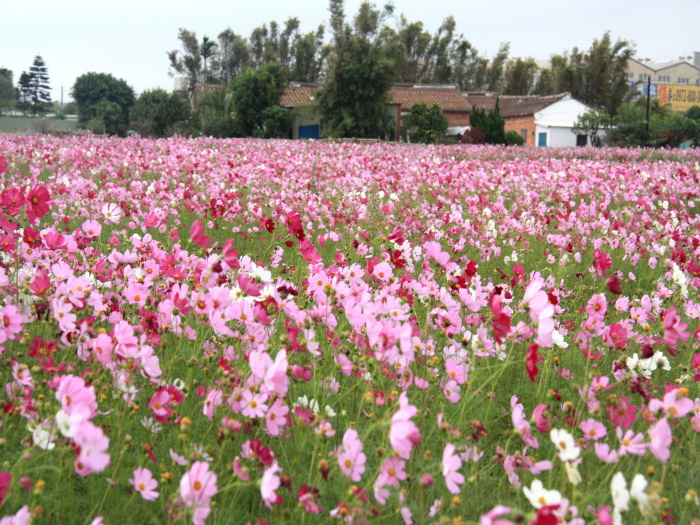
<point x="233" y="57"/>
<point x="40" y="90"/>
<point x="8" y="96"/>
<point x="157" y="113"/>
<point x="24" y="92"/>
<point x="254" y="91"/>
<point x="663" y="129"/>
<point x="598" y="77"/>
<point x="354" y="95"/>
<point x="190" y="61"/>
<point x="103" y="102"/>
<point x="492" y="124"/>
<point x="520" y="76"/>
<point x="426" y="125"/>
<point x="591" y="123"/>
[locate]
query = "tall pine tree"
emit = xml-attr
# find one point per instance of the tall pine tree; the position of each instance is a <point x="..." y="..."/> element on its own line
<point x="40" y="90"/>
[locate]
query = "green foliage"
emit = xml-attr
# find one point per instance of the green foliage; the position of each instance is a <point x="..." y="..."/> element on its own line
<point x="513" y="138"/>
<point x="354" y="95"/>
<point x="693" y="113"/>
<point x="189" y="62"/>
<point x="33" y="90"/>
<point x="519" y="76"/>
<point x="158" y="113"/>
<point x="255" y="91"/>
<point x="591" y="123"/>
<point x="277" y="122"/>
<point x="492" y="124"/>
<point x="598" y="78"/>
<point x="103" y="102"/>
<point x="7" y="91"/>
<point x="24" y="92"/>
<point x="663" y="128"/>
<point x="426" y="125"/>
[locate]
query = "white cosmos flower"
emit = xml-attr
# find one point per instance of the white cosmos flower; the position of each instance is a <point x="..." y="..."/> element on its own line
<point x="558" y="339"/>
<point x="541" y="497"/>
<point x="638" y="492"/>
<point x="112" y="212"/>
<point x="620" y="494"/>
<point x="565" y="443"/>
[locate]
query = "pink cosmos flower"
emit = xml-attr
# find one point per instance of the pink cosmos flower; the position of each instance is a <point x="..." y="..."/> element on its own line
<point x="159" y="404"/>
<point x="197" y="235"/>
<point x="593" y="429"/>
<point x="404" y="434"/>
<point x="93" y="445"/>
<point x="451" y="463"/>
<point x="269" y="484"/>
<point x="198" y="485"/>
<point x="253" y="404"/>
<point x="276" y="417"/>
<point x="661" y="440"/>
<point x="351" y="460"/>
<point x="631" y="443"/>
<point x="213" y="400"/>
<point x="521" y="424"/>
<point x="623" y="414"/>
<point x="535" y="299"/>
<point x="76" y="397"/>
<point x="671" y="405"/>
<point x="605" y="454"/>
<point x="145" y="484"/>
<point x="674" y="330"/>
<point x="10" y="323"/>
<point x="597" y="306"/>
<point x="91" y="228"/>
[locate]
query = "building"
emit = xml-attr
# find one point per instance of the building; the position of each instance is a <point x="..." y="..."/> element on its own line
<point x="402" y="97"/>
<point x="676" y="83"/>
<point x="545" y="121"/>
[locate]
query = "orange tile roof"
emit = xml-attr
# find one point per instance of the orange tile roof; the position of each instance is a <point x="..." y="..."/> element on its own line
<point x="448" y="97"/>
<point x="298" y="95"/>
<point x="513" y="106"/>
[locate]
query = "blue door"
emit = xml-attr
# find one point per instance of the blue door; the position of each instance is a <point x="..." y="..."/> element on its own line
<point x="542" y="140"/>
<point x="312" y="131"/>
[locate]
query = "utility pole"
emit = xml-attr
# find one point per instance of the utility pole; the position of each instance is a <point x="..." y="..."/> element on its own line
<point x="648" y="101"/>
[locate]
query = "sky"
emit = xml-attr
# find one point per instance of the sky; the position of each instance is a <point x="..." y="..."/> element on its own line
<point x="129" y="38"/>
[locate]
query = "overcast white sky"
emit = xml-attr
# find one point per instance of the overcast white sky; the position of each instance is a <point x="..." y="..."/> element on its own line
<point x="129" y="38"/>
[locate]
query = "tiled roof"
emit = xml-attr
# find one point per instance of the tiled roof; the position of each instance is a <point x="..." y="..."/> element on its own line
<point x="298" y="95"/>
<point x="513" y="106"/>
<point x="448" y="97"/>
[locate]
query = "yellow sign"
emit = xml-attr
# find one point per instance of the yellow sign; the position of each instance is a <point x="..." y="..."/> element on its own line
<point x="680" y="97"/>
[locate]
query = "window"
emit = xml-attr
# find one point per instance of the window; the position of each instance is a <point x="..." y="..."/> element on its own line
<point x="664" y="78"/>
<point x="630" y="76"/>
<point x="581" y="140"/>
<point x="644" y="76"/>
<point x="683" y="80"/>
<point x="523" y="132"/>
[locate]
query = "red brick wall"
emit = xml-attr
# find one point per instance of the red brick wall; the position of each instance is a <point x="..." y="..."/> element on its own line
<point x="520" y="123"/>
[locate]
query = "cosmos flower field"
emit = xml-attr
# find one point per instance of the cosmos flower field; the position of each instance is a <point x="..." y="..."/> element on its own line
<point x="288" y="332"/>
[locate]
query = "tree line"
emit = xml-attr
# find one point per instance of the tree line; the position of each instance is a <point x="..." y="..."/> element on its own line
<point x="234" y="83"/>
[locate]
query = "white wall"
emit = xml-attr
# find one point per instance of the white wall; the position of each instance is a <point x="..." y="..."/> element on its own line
<point x="557" y="120"/>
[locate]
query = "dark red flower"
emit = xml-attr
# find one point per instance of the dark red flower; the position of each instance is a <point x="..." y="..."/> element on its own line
<point x="37" y="203"/>
<point x="501" y="321"/>
<point x="614" y="285"/>
<point x="532" y="358"/>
